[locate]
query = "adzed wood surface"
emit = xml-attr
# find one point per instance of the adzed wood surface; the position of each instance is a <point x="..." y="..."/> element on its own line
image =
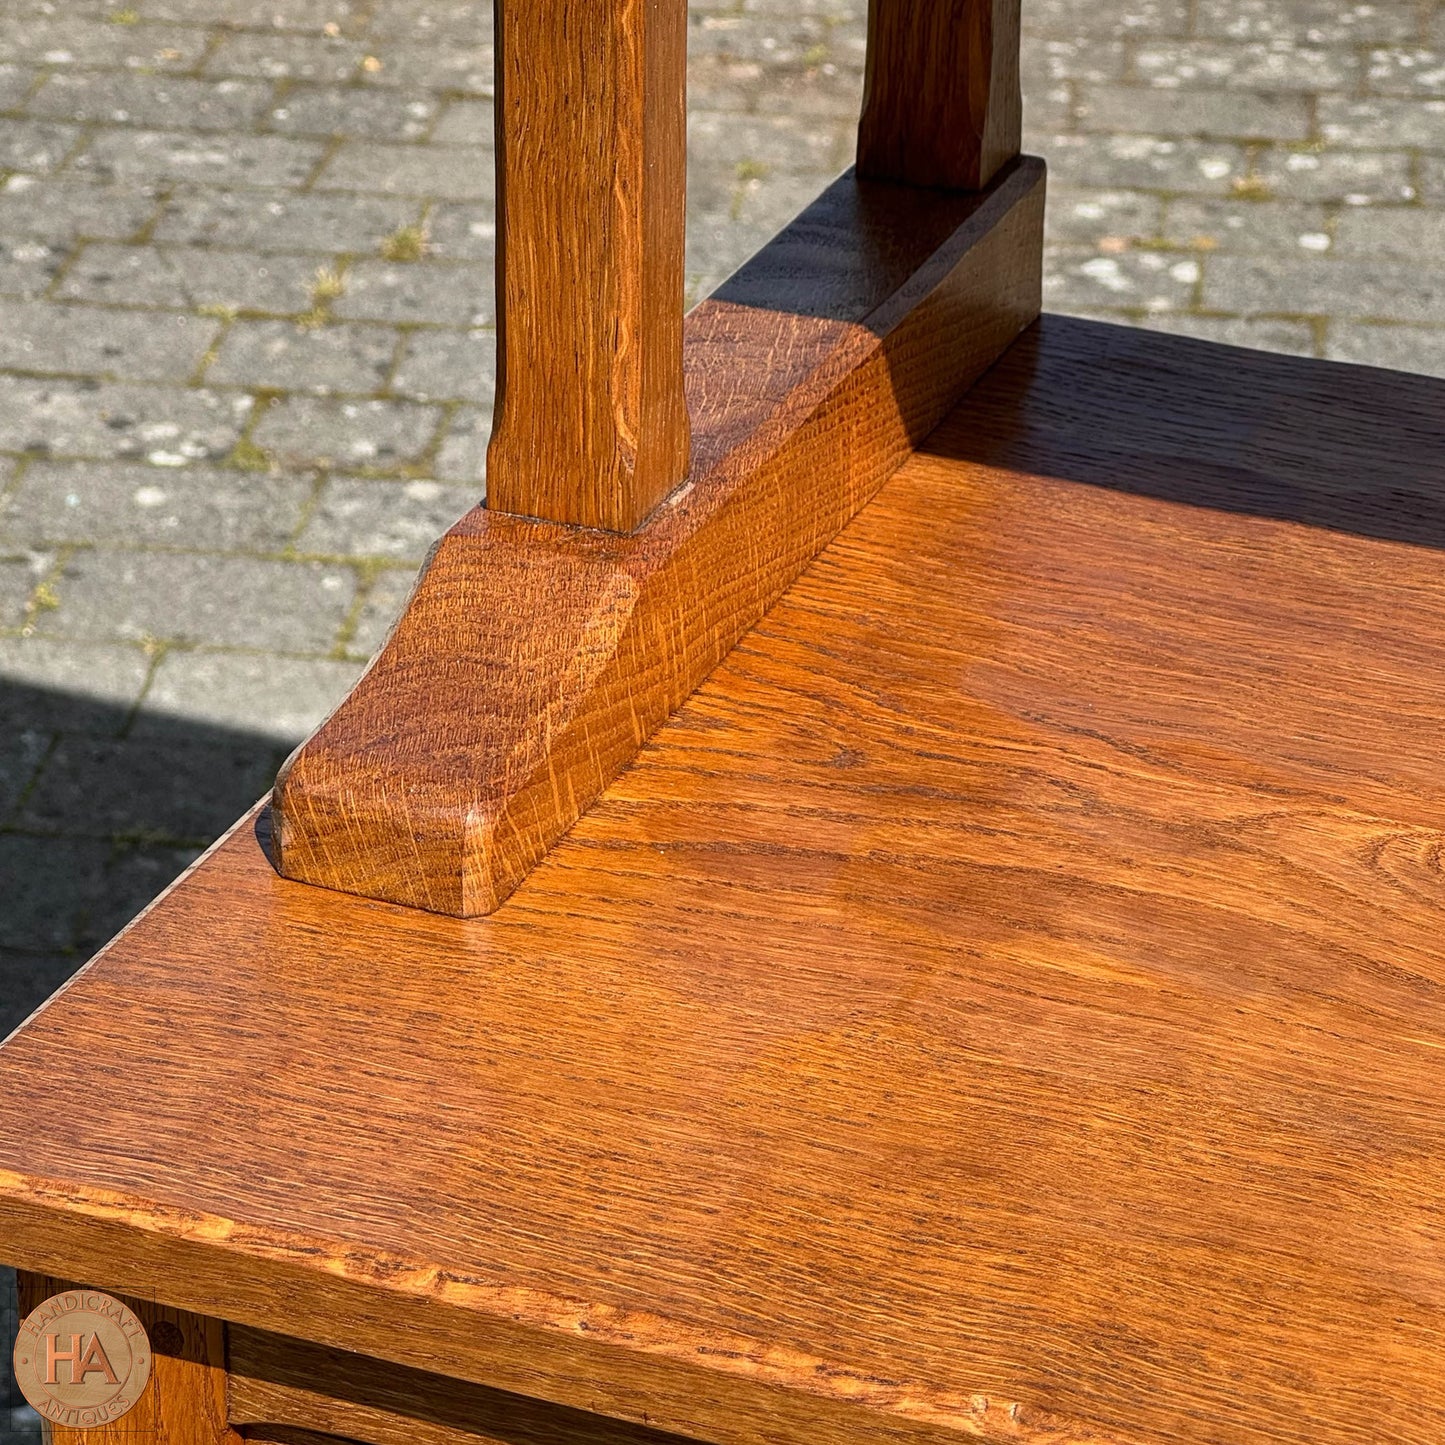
<point x="942" y="103"/>
<point x="1006" y="1002"/>
<point x="184" y="1402"/>
<point x="590" y="422"/>
<point x="533" y="661"/>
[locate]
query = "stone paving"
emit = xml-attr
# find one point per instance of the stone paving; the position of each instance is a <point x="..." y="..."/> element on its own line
<point x="246" y="345"/>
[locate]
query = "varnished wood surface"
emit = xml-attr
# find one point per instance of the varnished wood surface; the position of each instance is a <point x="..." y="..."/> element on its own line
<point x="942" y="104"/>
<point x="183" y="1403"/>
<point x="1005" y="1003"/>
<point x="533" y="661"/>
<point x="591" y="424"/>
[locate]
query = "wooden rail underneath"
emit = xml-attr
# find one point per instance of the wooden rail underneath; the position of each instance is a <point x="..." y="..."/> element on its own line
<point x="534" y="659"/>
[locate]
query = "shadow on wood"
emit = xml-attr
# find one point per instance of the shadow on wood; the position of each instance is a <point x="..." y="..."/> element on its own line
<point x="1259" y="436"/>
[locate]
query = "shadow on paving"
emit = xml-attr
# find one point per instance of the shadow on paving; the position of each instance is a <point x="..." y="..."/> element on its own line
<point x="19" y="1424"/>
<point x="102" y="807"/>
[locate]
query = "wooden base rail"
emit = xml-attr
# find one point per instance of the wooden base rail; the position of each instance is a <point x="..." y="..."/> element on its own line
<point x="214" y="1383"/>
<point x="279" y="1384"/>
<point x="534" y="659"/>
<point x="217" y="1383"/>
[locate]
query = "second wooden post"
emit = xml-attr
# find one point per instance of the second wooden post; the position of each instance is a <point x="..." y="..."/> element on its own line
<point x="941" y="99"/>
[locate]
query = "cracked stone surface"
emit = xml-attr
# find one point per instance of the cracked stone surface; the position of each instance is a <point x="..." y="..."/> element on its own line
<point x="247" y="351"/>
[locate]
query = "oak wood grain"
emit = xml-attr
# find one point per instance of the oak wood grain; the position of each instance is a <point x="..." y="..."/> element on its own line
<point x="532" y="661"/>
<point x="183" y="1403"/>
<point x="942" y="103"/>
<point x="590" y="422"/>
<point x="1004" y="1003"/>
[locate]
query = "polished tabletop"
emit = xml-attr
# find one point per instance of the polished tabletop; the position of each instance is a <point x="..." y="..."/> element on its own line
<point x="1007" y="1000"/>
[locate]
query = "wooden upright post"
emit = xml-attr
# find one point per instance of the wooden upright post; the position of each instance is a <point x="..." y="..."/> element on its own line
<point x="534" y="660"/>
<point x="941" y="99"/>
<point x="183" y="1403"/>
<point x="591" y="425"/>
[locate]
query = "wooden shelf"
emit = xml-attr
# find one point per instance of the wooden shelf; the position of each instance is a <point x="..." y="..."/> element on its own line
<point x="1006" y="999"/>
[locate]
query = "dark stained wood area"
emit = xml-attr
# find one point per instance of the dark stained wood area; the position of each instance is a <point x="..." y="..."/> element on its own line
<point x="1006" y="1002"/>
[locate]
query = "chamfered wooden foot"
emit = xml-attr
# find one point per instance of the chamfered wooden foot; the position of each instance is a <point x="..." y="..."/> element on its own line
<point x="184" y="1402"/>
<point x="534" y="659"/>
